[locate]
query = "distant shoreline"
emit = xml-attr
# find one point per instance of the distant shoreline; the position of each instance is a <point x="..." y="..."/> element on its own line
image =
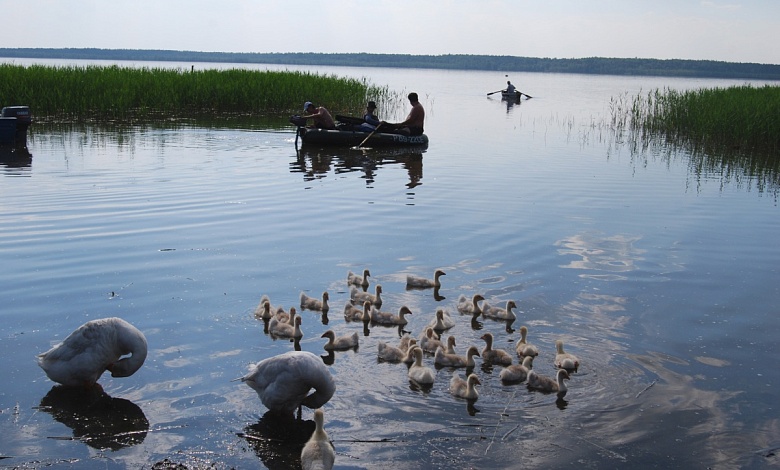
<point x="592" y="65"/>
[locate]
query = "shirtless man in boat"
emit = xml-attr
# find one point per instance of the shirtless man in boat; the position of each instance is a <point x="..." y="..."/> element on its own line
<point x="321" y="116"/>
<point x="413" y="124"/>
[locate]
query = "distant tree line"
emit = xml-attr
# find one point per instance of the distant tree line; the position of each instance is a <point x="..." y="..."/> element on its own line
<point x="591" y="65"/>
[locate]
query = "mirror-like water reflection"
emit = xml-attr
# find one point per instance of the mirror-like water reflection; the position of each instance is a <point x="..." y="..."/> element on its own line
<point x="657" y="269"/>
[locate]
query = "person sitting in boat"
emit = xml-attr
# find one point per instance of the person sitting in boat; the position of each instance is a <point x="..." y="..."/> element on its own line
<point x="509" y="87"/>
<point x="413" y="124"/>
<point x="371" y="121"/>
<point x="320" y="115"/>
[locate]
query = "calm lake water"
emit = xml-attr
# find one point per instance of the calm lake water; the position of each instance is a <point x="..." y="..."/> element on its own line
<point x="658" y="271"/>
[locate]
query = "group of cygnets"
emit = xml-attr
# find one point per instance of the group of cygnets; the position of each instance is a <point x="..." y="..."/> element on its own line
<point x="290" y="376"/>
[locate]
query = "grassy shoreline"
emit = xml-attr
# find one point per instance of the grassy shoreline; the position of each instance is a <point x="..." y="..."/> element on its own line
<point x="114" y="92"/>
<point x="743" y="118"/>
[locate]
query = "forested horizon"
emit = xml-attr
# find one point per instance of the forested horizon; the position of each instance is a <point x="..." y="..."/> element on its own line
<point x="591" y="65"/>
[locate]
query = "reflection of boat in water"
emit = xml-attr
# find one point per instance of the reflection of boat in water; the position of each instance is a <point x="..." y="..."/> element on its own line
<point x="278" y="440"/>
<point x="315" y="162"/>
<point x="15" y="157"/>
<point x="96" y="418"/>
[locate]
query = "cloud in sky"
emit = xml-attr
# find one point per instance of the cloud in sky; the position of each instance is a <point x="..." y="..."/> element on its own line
<point x="664" y="29"/>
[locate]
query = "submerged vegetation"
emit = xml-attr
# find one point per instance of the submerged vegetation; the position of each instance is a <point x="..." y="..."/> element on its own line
<point x="113" y="92"/>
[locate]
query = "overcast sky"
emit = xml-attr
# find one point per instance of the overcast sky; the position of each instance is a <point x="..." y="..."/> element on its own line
<point x="728" y="30"/>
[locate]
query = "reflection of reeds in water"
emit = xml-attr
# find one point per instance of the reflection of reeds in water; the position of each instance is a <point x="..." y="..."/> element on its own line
<point x="101" y="92"/>
<point x="733" y="133"/>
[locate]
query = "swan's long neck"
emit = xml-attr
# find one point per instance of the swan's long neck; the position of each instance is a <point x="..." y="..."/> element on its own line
<point x="523" y="334"/>
<point x="559" y="347"/>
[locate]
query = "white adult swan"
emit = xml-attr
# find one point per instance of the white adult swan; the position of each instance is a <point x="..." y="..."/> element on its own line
<point x="95" y="347"/>
<point x="419" y="373"/>
<point x="522" y="347"/>
<point x="362" y="281"/>
<point x="283" y="382"/>
<point x="564" y="360"/>
<point x="471" y="306"/>
<point x="358" y="296"/>
<point x="341" y="342"/>
<point x="318" y="453"/>
<point x="442" y="358"/>
<point x="494" y="356"/>
<point x="546" y="384"/>
<point x="442" y="321"/>
<point x="312" y="303"/>
<point x="416" y="281"/>
<point x="516" y="372"/>
<point x="465" y="388"/>
<point x="499" y="313"/>
<point x="388" y="318"/>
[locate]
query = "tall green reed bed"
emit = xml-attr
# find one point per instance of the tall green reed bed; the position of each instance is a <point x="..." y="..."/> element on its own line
<point x="742" y="118"/>
<point x="731" y="132"/>
<point x="113" y="92"/>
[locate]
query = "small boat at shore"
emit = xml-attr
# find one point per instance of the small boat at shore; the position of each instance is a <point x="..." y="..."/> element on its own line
<point x="14" y="121"/>
<point x="349" y="135"/>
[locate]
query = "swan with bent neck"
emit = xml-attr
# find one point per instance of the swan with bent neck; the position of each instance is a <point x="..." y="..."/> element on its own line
<point x="93" y="348"/>
<point x="283" y="382"/>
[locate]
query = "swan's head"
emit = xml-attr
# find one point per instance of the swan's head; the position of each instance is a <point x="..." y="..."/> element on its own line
<point x="438" y="273"/>
<point x="478" y="297"/>
<point x="473" y="379"/>
<point x="510" y="304"/>
<point x="329" y="334"/>
<point x="366" y="273"/>
<point x="559" y="346"/>
<point x="487" y="337"/>
<point x="440" y="314"/>
<point x="132" y="342"/>
<point x="297" y="319"/>
<point x="563" y="374"/>
<point x="472" y="351"/>
<point x="325" y="296"/>
<point x="451" y="341"/>
<point x="528" y="362"/>
<point x="404" y="310"/>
